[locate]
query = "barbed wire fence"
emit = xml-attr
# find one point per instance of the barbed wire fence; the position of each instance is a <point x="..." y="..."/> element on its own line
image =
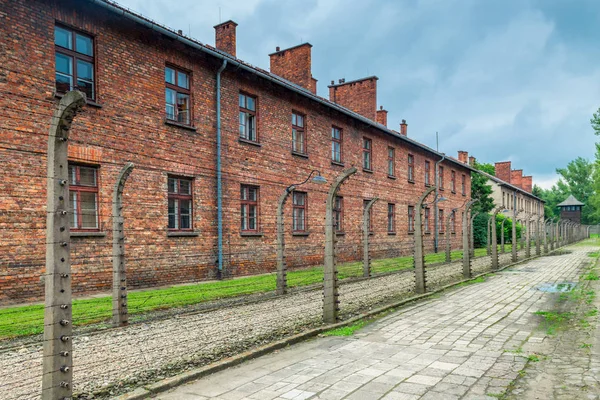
<point x="102" y="345"/>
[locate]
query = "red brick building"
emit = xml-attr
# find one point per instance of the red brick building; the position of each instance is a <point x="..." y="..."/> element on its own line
<point x="152" y="100"/>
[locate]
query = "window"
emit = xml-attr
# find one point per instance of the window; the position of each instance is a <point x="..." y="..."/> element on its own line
<point x="336" y="144"/>
<point x="180" y="203"/>
<point x="83" y="196"/>
<point x="367" y="147"/>
<point x="411" y="219"/>
<point x="391" y="218"/>
<point x="247" y="105"/>
<point x="441" y="178"/>
<point x="298" y="133"/>
<point x="453" y="181"/>
<point x="177" y="95"/>
<point x="391" y="161"/>
<point x="463" y="186"/>
<point x="369" y="215"/>
<point x="299" y="212"/>
<point x="411" y="168"/>
<point x="338" y="214"/>
<point x="249" y="208"/>
<point x="427" y="213"/>
<point x="427" y="173"/>
<point x="441" y="221"/>
<point x="74" y="57"/>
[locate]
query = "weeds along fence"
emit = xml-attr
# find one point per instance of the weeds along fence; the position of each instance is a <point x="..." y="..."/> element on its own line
<point x="96" y="346"/>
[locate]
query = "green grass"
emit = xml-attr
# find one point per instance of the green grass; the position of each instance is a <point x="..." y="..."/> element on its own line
<point x="585" y="346"/>
<point x="533" y="358"/>
<point x="346" y="330"/>
<point x="554" y="320"/>
<point x="28" y="320"/>
<point x="591" y="276"/>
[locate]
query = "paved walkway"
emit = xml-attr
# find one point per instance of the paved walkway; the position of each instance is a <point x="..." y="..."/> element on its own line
<point x="455" y="346"/>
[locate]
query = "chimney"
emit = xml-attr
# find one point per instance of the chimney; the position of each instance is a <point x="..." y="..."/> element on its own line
<point x="295" y="65"/>
<point x="516" y="178"/>
<point x="472" y="161"/>
<point x="404" y="128"/>
<point x="528" y="183"/>
<point x="463" y="157"/>
<point x="225" y="37"/>
<point x="503" y="171"/>
<point x="359" y="96"/>
<point x="382" y="116"/>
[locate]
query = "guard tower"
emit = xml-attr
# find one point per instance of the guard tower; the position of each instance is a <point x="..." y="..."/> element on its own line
<point x="570" y="209"/>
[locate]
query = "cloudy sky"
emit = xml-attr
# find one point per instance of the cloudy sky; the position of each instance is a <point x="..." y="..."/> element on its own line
<point x="510" y="80"/>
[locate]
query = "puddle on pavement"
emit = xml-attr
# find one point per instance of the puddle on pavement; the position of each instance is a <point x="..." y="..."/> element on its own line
<point x="556" y="287"/>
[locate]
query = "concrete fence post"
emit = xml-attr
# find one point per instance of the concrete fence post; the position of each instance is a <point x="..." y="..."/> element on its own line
<point x="502" y="249"/>
<point x="466" y="240"/>
<point x="281" y="264"/>
<point x="489" y="236"/>
<point x="120" y="315"/>
<point x="495" y="239"/>
<point x="330" y="281"/>
<point x="366" y="232"/>
<point x="538" y="240"/>
<point x="528" y="237"/>
<point x="552" y="235"/>
<point x="449" y="218"/>
<point x="546" y="234"/>
<point x="472" y="235"/>
<point x="57" y="364"/>
<point x="419" y="256"/>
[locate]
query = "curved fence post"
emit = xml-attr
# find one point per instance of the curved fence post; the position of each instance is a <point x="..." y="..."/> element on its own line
<point x="451" y="216"/>
<point x="419" y="257"/>
<point x="495" y="239"/>
<point x="466" y="240"/>
<point x="489" y="236"/>
<point x="502" y="237"/>
<point x="57" y="378"/>
<point x="546" y="234"/>
<point x="538" y="242"/>
<point x="528" y="237"/>
<point x="366" y="220"/>
<point x="120" y="315"/>
<point x="281" y="265"/>
<point x="513" y="245"/>
<point x="330" y="283"/>
<point x="472" y="234"/>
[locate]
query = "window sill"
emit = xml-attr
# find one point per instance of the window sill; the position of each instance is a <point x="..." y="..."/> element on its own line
<point x="88" y="102"/>
<point x="300" y="233"/>
<point x="339" y="164"/>
<point x="428" y="185"/>
<point x="251" y="234"/>
<point x="391" y="233"/>
<point x="464" y="195"/>
<point x="369" y="171"/>
<point x="411" y="181"/>
<point x="453" y="191"/>
<point x="183" y="234"/>
<point x="87" y="234"/>
<point x="427" y="233"/>
<point x="180" y="125"/>
<point x="298" y="154"/>
<point x="340" y="233"/>
<point x="411" y="232"/>
<point x="441" y="189"/>
<point x="250" y="142"/>
<point x="392" y="177"/>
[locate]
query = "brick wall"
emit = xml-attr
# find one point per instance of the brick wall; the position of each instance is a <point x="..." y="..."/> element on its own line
<point x="359" y="96"/>
<point x="503" y="171"/>
<point x="128" y="124"/>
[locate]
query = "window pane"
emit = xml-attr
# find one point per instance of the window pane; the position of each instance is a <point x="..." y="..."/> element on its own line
<point x="183" y="108"/>
<point x="86" y="87"/>
<point x="72" y="175"/>
<point x="185" y="207"/>
<point x="243" y="125"/>
<point x="242" y="100"/>
<point x="170" y="103"/>
<point x="64" y="64"/>
<point x="83" y="45"/>
<point x="300" y="120"/>
<point x="170" y="75"/>
<point x="252" y="217"/>
<point x="173" y="219"/>
<point x="87" y="176"/>
<point x="172" y="185"/>
<point x="294" y="120"/>
<point x="183" y="80"/>
<point x="63" y="83"/>
<point x="252" y="194"/>
<point x="299" y="199"/>
<point x="63" y="37"/>
<point x="89" y="213"/>
<point x="250" y="103"/>
<point x="85" y="70"/>
<point x="185" y="186"/>
<point x="73" y="209"/>
<point x="251" y="127"/>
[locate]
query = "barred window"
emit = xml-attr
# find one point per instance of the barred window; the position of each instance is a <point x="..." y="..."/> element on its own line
<point x="249" y="208"/>
<point x="180" y="203"/>
<point x="83" y="197"/>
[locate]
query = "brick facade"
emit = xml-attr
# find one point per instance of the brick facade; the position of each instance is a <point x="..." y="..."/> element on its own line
<point x="126" y="122"/>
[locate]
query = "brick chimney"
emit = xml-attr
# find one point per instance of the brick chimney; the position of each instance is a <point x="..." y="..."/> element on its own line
<point x="463" y="157"/>
<point x="528" y="183"/>
<point x="359" y="96"/>
<point x="382" y="116"/>
<point x="225" y="37"/>
<point x="404" y="128"/>
<point x="295" y="65"/>
<point x="472" y="161"/>
<point x="516" y="178"/>
<point x="503" y="171"/>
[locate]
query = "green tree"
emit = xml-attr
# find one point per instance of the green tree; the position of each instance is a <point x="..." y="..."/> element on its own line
<point x="481" y="190"/>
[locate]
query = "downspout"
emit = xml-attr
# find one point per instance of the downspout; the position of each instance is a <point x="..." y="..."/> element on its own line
<point x="219" y="179"/>
<point x="435" y="210"/>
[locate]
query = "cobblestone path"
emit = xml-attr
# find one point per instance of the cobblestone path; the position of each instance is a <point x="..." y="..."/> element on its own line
<point x="460" y="345"/>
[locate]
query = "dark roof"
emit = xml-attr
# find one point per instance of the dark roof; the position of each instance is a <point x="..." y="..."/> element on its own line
<point x="132" y="15"/>
<point x="570" y="201"/>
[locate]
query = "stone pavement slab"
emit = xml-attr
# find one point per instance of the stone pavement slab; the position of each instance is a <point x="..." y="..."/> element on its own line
<point x="462" y="344"/>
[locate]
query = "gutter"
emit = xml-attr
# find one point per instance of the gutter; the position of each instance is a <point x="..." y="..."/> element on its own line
<point x="117" y="9"/>
<point x="219" y="178"/>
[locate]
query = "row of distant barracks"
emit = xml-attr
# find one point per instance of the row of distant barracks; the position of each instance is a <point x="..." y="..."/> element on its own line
<point x="159" y="99"/>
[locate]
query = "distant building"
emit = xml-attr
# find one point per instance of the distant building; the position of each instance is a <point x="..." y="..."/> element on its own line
<point x="570" y="209"/>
